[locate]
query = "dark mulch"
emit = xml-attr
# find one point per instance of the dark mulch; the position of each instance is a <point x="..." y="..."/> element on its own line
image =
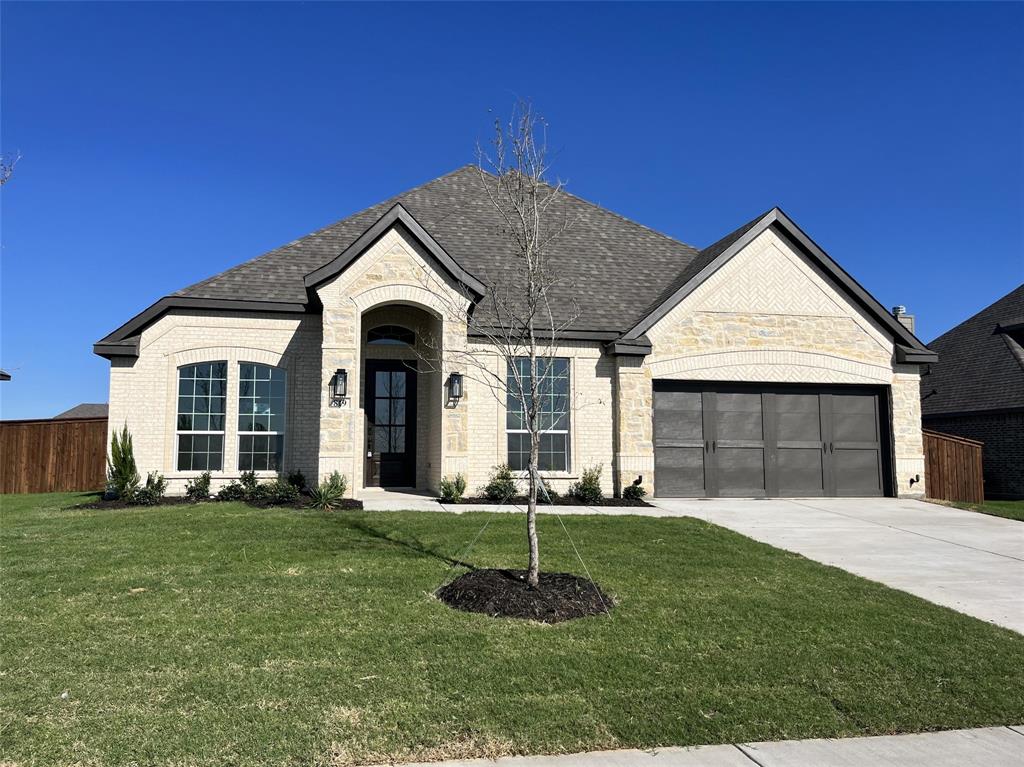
<point x="561" y="500"/>
<point x="504" y="593"/>
<point x="180" y="500"/>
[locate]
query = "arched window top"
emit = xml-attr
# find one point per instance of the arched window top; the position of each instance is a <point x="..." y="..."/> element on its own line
<point x="390" y="335"/>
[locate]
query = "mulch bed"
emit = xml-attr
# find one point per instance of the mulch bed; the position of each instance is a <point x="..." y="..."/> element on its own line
<point x="180" y="500"/>
<point x="505" y="594"/>
<point x="561" y="500"/>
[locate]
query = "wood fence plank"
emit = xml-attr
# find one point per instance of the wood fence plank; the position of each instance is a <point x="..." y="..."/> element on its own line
<point x="52" y="456"/>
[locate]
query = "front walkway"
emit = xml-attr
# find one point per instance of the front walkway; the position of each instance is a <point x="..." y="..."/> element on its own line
<point x="983" y="747"/>
<point x="965" y="560"/>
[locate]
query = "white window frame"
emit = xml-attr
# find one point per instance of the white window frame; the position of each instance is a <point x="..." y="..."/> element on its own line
<point x="567" y="430"/>
<point x="178" y="433"/>
<point x="239" y="433"/>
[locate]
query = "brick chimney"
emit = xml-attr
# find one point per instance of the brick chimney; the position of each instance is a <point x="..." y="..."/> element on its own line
<point x="906" y="320"/>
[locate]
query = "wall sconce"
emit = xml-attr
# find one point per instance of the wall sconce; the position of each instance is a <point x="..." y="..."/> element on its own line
<point x="455" y="388"/>
<point x="339" y="387"/>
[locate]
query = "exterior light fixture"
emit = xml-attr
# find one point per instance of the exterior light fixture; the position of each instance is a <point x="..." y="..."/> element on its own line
<point x="455" y="387"/>
<point x="339" y="386"/>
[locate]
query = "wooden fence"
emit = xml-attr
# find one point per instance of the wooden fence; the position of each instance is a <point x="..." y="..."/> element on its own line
<point x="52" y="456"/>
<point x="952" y="468"/>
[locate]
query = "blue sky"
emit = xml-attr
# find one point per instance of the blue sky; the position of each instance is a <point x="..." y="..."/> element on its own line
<point x="164" y="143"/>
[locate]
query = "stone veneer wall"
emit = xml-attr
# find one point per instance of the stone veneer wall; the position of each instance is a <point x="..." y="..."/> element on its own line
<point x="144" y="391"/>
<point x="394" y="270"/>
<point x="767" y="316"/>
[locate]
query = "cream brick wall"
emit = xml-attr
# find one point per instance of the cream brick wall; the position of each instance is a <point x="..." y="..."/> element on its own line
<point x="143" y="392"/>
<point x="590" y="424"/>
<point x="768" y="316"/>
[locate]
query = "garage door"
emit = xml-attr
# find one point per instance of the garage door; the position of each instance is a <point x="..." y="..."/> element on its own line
<point x="757" y="441"/>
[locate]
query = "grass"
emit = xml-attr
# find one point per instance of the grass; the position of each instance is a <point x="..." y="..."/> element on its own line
<point x="221" y="634"/>
<point x="1005" y="509"/>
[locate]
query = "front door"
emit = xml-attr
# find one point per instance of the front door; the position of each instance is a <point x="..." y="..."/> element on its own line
<point x="390" y="406"/>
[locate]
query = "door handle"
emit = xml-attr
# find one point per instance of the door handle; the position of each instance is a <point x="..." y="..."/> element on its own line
<point x="705" y="446"/>
<point x="713" y="447"/>
<point x="831" y="447"/>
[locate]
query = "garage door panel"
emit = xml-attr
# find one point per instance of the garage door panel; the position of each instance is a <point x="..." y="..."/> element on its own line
<point x="801" y="471"/>
<point x="739" y="471"/>
<point x="854" y="418"/>
<point x="679" y="418"/>
<point x="680" y="471"/>
<point x="856" y="472"/>
<point x="738" y="416"/>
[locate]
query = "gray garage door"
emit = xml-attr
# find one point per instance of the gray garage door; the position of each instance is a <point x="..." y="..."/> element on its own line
<point x="757" y="441"/>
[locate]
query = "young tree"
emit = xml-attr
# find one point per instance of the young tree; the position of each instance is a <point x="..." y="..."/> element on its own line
<point x="524" y="315"/>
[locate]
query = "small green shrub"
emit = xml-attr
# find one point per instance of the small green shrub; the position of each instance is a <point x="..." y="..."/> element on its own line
<point x="546" y="493"/>
<point x="297" y="480"/>
<point x="329" y="494"/>
<point x="502" y="485"/>
<point x="276" y="492"/>
<point x="153" y="491"/>
<point x="232" y="491"/>
<point x="249" y="481"/>
<point x="452" y="489"/>
<point x="198" y="488"/>
<point x="588" y="488"/>
<point x="122" y="473"/>
<point x="634" y="492"/>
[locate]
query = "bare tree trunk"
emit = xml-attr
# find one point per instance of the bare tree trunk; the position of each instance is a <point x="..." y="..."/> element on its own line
<point x="533" y="573"/>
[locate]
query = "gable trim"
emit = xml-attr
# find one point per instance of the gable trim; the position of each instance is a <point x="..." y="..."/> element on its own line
<point x="124" y="342"/>
<point x="908" y="348"/>
<point x="397" y="215"/>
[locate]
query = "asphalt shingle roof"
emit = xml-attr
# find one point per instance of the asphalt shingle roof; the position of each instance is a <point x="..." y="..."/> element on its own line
<point x="613" y="268"/>
<point x="979" y="367"/>
<point x="84" y="410"/>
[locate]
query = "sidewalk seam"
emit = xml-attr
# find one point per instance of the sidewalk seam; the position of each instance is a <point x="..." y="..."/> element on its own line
<point x="747" y="754"/>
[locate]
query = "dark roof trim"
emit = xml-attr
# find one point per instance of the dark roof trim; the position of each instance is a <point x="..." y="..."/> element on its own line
<point x="909" y="356"/>
<point x="639" y="347"/>
<point x="124" y="342"/>
<point x="970" y="413"/>
<point x="4" y="375"/>
<point x="1010" y="326"/>
<point x="397" y="215"/>
<point x="785" y="226"/>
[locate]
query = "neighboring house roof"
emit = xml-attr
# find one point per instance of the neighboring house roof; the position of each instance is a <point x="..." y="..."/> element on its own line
<point x="4" y="375"/>
<point x="84" y="410"/>
<point x="616" y="272"/>
<point x="981" y="362"/>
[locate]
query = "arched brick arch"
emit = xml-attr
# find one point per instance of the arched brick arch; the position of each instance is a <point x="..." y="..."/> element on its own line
<point x="771" y="365"/>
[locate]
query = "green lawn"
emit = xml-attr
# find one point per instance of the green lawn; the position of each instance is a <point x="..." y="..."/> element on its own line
<point x="222" y="634"/>
<point x="1006" y="509"/>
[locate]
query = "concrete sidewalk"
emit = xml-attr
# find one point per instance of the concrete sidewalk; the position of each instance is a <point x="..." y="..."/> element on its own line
<point x="983" y="747"/>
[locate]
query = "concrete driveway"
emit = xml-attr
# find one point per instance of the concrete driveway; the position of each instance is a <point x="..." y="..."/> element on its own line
<point x="968" y="561"/>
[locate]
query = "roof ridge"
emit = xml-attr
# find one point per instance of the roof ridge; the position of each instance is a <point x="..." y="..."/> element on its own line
<point x="977" y="314"/>
<point x="392" y="200"/>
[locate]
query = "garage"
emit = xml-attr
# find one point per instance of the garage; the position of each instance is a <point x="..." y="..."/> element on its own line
<point x="769" y="440"/>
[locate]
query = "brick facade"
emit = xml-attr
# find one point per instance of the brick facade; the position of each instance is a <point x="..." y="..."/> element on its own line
<point x="1002" y="455"/>
<point x="766" y="316"/>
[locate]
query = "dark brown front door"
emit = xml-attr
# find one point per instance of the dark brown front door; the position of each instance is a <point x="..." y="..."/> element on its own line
<point x="390" y="405"/>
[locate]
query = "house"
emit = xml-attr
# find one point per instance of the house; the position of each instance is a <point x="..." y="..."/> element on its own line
<point x="754" y="367"/>
<point x="976" y="390"/>
<point x="83" y="410"/>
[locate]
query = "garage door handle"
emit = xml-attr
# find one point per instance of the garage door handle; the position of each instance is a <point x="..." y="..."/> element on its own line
<point x="713" y="448"/>
<point x="705" y="446"/>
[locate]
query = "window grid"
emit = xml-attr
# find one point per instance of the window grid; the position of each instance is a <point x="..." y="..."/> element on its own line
<point x="202" y="396"/>
<point x="553" y="390"/>
<point x="261" y="407"/>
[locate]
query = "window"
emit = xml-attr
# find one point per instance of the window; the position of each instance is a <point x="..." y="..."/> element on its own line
<point x="390" y="335"/>
<point x="261" y="400"/>
<point x="553" y="389"/>
<point x="202" y="394"/>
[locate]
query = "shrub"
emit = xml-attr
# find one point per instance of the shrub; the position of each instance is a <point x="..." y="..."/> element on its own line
<point x="329" y="494"/>
<point x="198" y="488"/>
<point x="122" y="474"/>
<point x="588" y="488"/>
<point x="634" y="492"/>
<point x="297" y="480"/>
<point x="153" y="492"/>
<point x="502" y="485"/>
<point x="249" y="481"/>
<point x="232" y="491"/>
<point x="453" y="489"/>
<point x="546" y="493"/>
<point x="278" y="491"/>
